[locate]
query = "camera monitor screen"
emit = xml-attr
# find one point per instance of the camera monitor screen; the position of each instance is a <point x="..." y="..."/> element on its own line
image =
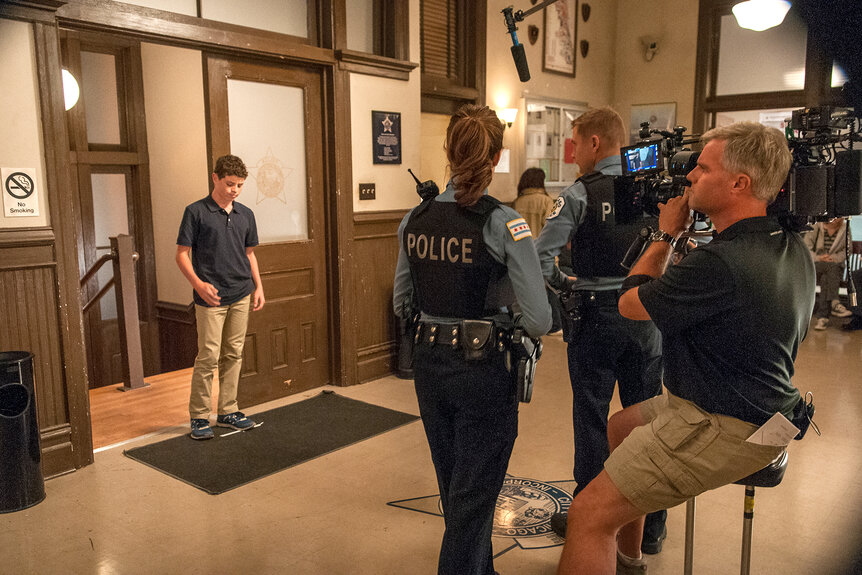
<point x="643" y="159"/>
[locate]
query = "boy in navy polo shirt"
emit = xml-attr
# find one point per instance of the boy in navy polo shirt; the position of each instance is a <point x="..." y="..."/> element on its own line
<point x="222" y="234"/>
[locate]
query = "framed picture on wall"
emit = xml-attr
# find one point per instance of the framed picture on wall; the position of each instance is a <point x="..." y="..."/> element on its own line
<point x="660" y="117"/>
<point x="561" y="27"/>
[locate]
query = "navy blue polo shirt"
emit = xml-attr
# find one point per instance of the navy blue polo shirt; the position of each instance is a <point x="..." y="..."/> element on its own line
<point x="218" y="240"/>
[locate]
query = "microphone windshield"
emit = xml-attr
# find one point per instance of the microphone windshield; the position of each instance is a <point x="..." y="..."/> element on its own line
<point x="521" y="62"/>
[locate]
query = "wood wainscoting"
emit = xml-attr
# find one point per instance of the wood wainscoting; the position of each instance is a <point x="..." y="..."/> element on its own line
<point x="30" y="321"/>
<point x="178" y="336"/>
<point x="375" y="248"/>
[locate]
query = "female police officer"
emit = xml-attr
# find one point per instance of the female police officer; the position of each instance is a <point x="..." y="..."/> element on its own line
<point x="463" y="253"/>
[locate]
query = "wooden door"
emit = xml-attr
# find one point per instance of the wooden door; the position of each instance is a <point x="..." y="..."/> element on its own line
<point x="272" y="118"/>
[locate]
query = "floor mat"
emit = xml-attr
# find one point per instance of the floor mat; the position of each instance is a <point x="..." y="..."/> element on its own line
<point x="286" y="436"/>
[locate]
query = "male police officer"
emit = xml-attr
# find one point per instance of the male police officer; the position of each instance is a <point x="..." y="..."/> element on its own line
<point x="607" y="347"/>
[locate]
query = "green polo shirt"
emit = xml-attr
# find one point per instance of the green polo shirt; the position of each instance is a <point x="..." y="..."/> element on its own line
<point x="732" y="315"/>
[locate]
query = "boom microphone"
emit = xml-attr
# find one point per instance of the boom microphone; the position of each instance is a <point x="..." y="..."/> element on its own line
<point x="518" y="53"/>
<point x="520" y="58"/>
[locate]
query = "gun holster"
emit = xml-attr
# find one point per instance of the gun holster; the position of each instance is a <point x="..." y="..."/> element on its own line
<point x="525" y="353"/>
<point x="571" y="303"/>
<point x="405" y="347"/>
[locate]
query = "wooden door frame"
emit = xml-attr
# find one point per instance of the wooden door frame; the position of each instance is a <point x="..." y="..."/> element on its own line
<point x="68" y="446"/>
<point x="236" y="41"/>
<point x="131" y="155"/>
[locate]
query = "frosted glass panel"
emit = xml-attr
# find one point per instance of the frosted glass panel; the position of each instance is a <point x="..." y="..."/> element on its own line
<point x="768" y="61"/>
<point x="360" y="25"/>
<point x="187" y="7"/>
<point x="267" y="130"/>
<point x="99" y="90"/>
<point x="285" y="16"/>
<point x="110" y="218"/>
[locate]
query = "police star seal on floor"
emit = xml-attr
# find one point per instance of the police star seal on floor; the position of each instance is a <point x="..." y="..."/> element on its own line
<point x="522" y="518"/>
<point x="524" y="509"/>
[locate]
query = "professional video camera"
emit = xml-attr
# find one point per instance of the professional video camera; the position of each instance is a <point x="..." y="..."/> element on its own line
<point x="825" y="180"/>
<point x="654" y="170"/>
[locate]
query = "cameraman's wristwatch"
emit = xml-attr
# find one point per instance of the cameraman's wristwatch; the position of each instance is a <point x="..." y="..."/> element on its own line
<point x="662" y="236"/>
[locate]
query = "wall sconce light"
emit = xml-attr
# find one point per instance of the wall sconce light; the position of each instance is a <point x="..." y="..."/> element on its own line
<point x="508" y="115"/>
<point x="759" y="15"/>
<point x="70" y="89"/>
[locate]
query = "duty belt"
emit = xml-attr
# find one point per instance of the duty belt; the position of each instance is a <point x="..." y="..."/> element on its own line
<point x="603" y="297"/>
<point x="476" y="337"/>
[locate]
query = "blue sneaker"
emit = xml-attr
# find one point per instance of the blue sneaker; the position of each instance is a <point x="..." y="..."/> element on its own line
<point x="235" y="420"/>
<point x="201" y="429"/>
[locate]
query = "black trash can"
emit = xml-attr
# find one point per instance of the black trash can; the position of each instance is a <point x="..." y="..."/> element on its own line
<point x="21" y="482"/>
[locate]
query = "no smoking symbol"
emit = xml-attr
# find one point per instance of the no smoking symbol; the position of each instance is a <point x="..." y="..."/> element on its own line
<point x="19" y="185"/>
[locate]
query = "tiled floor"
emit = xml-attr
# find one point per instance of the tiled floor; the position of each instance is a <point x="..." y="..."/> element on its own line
<point x="330" y="515"/>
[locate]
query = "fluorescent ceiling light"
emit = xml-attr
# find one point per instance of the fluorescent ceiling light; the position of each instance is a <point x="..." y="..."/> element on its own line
<point x="759" y="15"/>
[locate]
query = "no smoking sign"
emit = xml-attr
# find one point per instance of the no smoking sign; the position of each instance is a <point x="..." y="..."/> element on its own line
<point x="20" y="197"/>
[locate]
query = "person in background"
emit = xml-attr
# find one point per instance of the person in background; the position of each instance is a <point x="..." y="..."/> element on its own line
<point x="533" y="202"/>
<point x="826" y="244"/>
<point x="464" y="288"/>
<point x="215" y="251"/>
<point x="855" y="322"/>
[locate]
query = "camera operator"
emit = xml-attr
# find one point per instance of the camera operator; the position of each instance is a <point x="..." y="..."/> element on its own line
<point x="606" y="348"/>
<point x="732" y="314"/>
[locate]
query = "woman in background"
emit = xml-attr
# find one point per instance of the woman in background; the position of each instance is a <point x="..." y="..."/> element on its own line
<point x="826" y="244"/>
<point x="533" y="202"/>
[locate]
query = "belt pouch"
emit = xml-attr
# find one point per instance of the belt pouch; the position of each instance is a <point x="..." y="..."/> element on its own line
<point x="476" y="338"/>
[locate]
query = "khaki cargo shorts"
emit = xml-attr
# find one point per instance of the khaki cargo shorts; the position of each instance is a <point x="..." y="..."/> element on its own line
<point x="682" y="452"/>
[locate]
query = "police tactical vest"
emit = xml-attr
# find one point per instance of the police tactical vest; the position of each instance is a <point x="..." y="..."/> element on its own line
<point x="449" y="262"/>
<point x="611" y="224"/>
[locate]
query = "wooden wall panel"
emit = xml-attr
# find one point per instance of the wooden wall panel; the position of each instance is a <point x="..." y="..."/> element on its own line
<point x="178" y="337"/>
<point x="30" y="322"/>
<point x="375" y="248"/>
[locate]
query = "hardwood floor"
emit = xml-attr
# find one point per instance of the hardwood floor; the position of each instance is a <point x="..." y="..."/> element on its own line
<point x="121" y="415"/>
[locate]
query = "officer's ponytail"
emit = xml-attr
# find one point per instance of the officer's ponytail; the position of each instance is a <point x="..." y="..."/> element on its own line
<point x="473" y="138"/>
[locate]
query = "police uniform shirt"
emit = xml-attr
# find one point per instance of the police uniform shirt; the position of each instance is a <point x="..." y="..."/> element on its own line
<point x="570" y="210"/>
<point x="514" y="249"/>
<point x="218" y="240"/>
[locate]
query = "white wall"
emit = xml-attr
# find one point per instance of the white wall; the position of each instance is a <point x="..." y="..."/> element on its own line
<point x="394" y="186"/>
<point x="433" y="155"/>
<point x="176" y="137"/>
<point x="593" y="82"/>
<point x="669" y="77"/>
<point x="21" y="129"/>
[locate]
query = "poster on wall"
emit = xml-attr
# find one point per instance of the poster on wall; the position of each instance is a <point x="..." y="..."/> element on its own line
<point x="386" y="137"/>
<point x="20" y="196"/>
<point x="561" y="28"/>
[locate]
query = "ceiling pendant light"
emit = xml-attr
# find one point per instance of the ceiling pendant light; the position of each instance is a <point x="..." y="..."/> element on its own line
<point x="759" y="15"/>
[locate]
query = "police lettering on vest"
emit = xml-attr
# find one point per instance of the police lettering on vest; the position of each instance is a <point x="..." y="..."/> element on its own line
<point x="434" y="248"/>
<point x="449" y="262"/>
